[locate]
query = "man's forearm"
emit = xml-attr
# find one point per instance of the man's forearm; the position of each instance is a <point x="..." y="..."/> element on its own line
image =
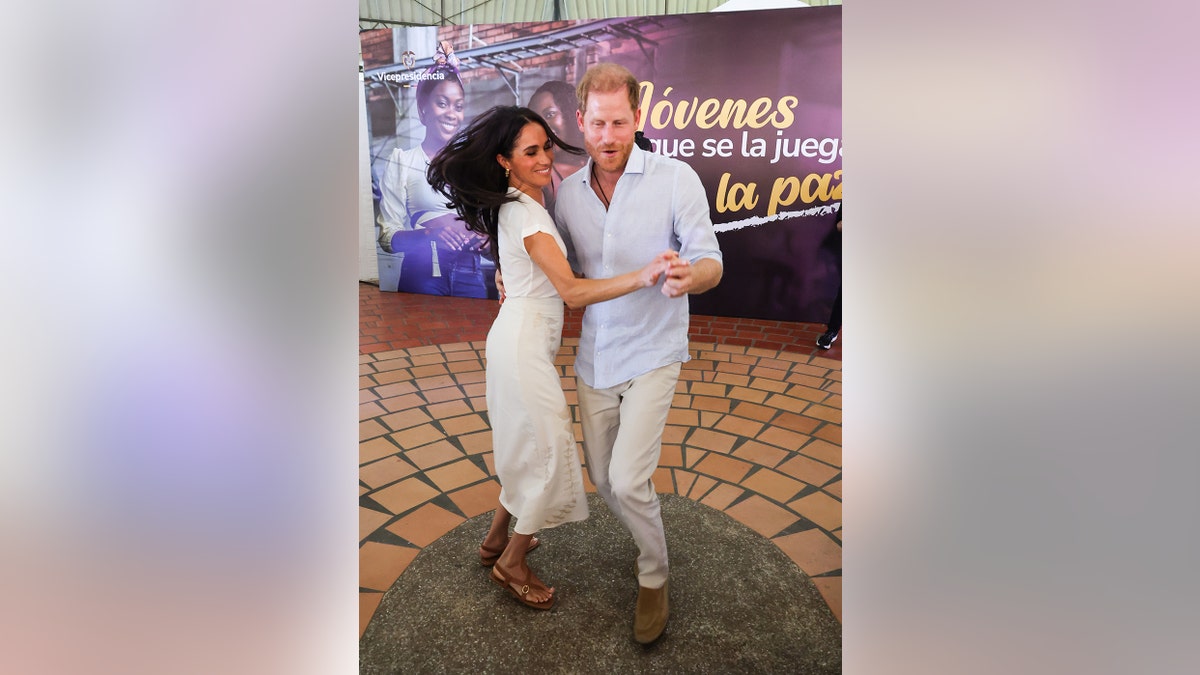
<point x="706" y="274"/>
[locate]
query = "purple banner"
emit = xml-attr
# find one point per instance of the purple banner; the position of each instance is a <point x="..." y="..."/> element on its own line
<point x="751" y="100"/>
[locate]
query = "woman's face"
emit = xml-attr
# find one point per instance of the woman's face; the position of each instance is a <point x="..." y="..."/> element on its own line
<point x="442" y="114"/>
<point x="562" y="122"/>
<point x="530" y="160"/>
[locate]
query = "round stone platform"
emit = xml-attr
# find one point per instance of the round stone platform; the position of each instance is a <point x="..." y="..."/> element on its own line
<point x="738" y="604"/>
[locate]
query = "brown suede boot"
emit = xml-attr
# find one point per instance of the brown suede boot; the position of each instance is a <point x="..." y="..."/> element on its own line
<point x="651" y="616"/>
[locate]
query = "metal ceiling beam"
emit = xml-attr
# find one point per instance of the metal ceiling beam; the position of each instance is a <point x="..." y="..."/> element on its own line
<point x="588" y="31"/>
<point x="364" y="19"/>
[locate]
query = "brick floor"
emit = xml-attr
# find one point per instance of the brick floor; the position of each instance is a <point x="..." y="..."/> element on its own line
<point x="755" y="431"/>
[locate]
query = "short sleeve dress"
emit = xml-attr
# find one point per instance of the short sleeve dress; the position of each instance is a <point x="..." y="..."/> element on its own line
<point x="541" y="482"/>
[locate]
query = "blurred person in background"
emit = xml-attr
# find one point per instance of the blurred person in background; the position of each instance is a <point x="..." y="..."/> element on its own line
<point x="834" y="327"/>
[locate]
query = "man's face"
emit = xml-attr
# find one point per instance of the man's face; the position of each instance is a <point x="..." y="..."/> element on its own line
<point x="608" y="123"/>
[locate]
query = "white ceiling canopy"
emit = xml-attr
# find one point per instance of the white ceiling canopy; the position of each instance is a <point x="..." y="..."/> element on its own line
<point x="385" y="13"/>
<point x="743" y="5"/>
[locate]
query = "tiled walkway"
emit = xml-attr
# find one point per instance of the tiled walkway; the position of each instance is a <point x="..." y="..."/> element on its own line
<point x="755" y="431"/>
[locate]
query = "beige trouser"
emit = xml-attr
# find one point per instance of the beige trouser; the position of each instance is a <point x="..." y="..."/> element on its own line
<point x="622" y="440"/>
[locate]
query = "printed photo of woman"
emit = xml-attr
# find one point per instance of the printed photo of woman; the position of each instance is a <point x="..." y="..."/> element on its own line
<point x="435" y="252"/>
<point x="556" y="103"/>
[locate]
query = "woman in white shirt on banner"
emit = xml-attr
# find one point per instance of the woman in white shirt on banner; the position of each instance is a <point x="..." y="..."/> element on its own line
<point x="435" y="252"/>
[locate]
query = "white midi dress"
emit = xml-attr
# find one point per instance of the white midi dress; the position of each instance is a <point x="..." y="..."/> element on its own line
<point x="537" y="462"/>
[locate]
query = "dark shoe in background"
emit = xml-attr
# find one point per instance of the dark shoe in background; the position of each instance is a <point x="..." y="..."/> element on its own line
<point x="827" y="338"/>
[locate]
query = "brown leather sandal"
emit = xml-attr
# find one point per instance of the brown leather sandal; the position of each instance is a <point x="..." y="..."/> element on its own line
<point x="489" y="556"/>
<point x="520" y="590"/>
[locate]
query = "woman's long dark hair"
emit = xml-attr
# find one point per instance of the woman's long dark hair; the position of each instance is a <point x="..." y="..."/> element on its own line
<point x="467" y="173"/>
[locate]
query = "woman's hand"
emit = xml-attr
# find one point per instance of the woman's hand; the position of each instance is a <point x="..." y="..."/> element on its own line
<point x="648" y="276"/>
<point x="684" y="278"/>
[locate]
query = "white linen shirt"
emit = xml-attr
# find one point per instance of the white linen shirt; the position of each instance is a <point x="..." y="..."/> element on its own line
<point x="658" y="203"/>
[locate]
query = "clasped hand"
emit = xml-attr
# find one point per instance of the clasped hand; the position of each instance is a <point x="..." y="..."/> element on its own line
<point x="451" y="231"/>
<point x="678" y="274"/>
<point x="658" y="267"/>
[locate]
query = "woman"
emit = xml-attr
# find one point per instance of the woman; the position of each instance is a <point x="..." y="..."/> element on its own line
<point x="435" y="252"/>
<point x="494" y="173"/>
<point x="555" y="101"/>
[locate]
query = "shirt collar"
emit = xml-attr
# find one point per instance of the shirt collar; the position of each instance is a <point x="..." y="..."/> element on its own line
<point x="636" y="164"/>
<point x="637" y="161"/>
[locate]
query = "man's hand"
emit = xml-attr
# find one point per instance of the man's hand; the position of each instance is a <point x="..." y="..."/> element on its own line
<point x="684" y="278"/>
<point x="655" y="268"/>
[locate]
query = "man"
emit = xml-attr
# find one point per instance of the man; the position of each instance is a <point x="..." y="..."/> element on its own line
<point x="614" y="215"/>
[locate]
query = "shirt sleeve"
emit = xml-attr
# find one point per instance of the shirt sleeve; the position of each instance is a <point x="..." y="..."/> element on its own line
<point x="531" y="223"/>
<point x="393" y="200"/>
<point x="693" y="224"/>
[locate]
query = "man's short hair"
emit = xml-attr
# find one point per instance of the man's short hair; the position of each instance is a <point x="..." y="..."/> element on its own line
<point x="607" y="77"/>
